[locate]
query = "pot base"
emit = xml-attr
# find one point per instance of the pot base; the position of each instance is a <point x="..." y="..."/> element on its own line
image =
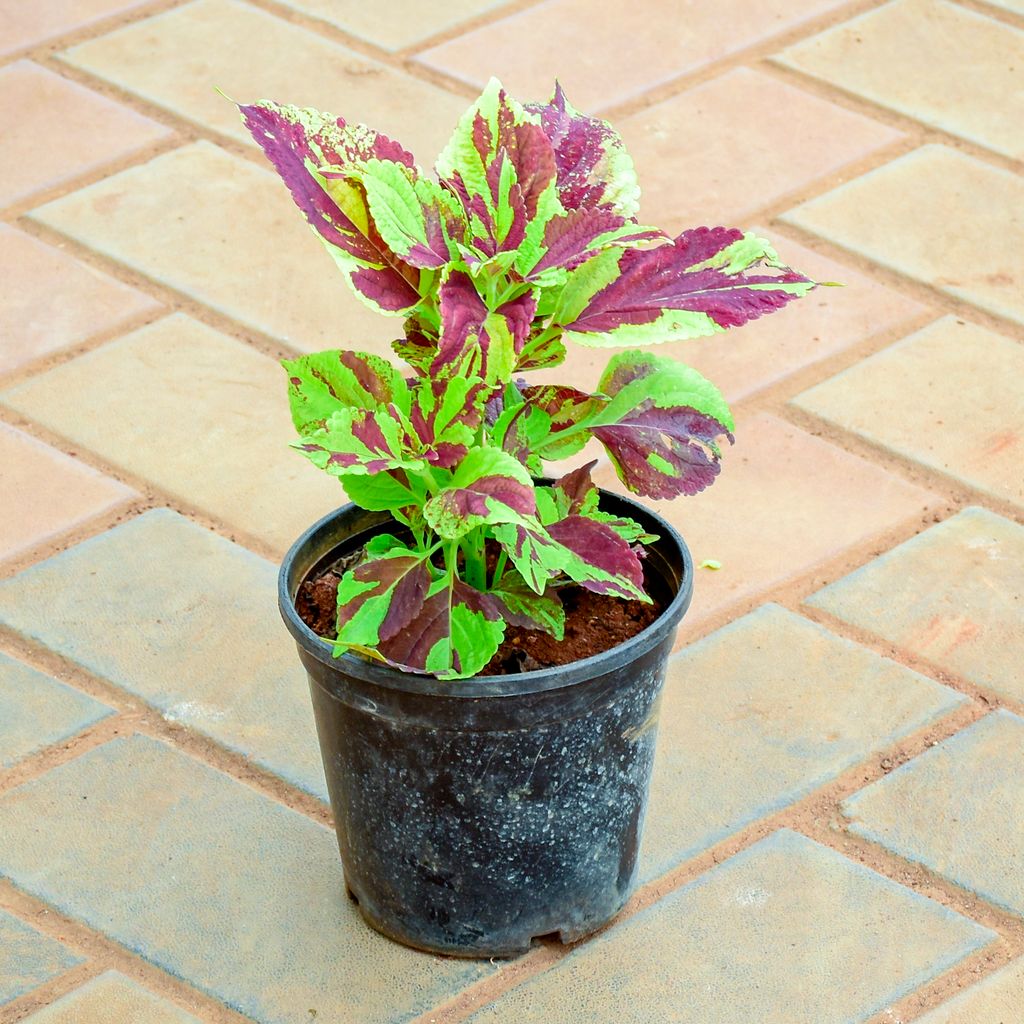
<point x="506" y="951"/>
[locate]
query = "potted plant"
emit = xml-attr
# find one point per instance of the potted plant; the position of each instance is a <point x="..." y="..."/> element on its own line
<point x="488" y="777"/>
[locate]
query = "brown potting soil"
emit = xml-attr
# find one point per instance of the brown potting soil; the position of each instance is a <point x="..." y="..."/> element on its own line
<point x="593" y="623"/>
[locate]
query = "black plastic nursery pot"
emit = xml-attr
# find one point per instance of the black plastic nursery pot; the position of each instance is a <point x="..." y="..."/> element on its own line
<point x="475" y="815"/>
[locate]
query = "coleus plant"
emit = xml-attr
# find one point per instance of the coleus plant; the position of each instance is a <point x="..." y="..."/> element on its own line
<point x="526" y="239"/>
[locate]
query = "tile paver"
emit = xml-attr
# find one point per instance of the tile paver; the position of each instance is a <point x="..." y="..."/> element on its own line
<point x="238" y="895"/>
<point x="28" y="958"/>
<point x="47" y="492"/>
<point x="36" y="710"/>
<point x="199" y="220"/>
<point x="995" y="1000"/>
<point x="111" y="998"/>
<point x="251" y="54"/>
<point x="188" y="621"/>
<point x="603" y="56"/>
<point x="954" y="595"/>
<point x="741" y="152"/>
<point x="761" y="713"/>
<point x="958" y="62"/>
<point x="953" y="373"/>
<point x="937" y="215"/>
<point x="786" y="931"/>
<point x="407" y="21"/>
<point x="26" y="24"/>
<point x="38" y="107"/>
<point x="51" y="301"/>
<point x="766" y="351"/>
<point x="958" y="809"/>
<point x="813" y="502"/>
<point x="736" y="110"/>
<point x="202" y="416"/>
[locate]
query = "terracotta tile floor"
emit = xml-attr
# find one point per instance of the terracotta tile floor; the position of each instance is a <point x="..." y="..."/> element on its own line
<point x="164" y="854"/>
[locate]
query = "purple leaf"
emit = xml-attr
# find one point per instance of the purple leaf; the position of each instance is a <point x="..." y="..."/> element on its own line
<point x="476" y="342"/>
<point x="324" y="382"/>
<point x="298" y="142"/>
<point x="654" y="286"/>
<point x="654" y="454"/>
<point x="445" y="416"/>
<point x="614" y="566"/>
<point x="519" y="606"/>
<point x="418" y="348"/>
<point x="488" y="486"/>
<point x="455" y="634"/>
<point x="388" y="594"/>
<point x="592" y="166"/>
<point x="661" y="425"/>
<point x="567" y="410"/>
<point x="361" y="441"/>
<point x="578" y="491"/>
<point x="574" y="237"/>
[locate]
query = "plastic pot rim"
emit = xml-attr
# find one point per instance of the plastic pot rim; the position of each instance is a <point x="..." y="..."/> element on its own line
<point x="537" y="681"/>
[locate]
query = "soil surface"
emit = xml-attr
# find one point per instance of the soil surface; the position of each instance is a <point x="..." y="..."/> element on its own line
<point x="593" y="623"/>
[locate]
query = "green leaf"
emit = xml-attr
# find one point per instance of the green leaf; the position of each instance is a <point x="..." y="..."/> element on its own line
<point x="325" y="382"/>
<point x="470" y="644"/>
<point x="361" y="441"/>
<point x="383" y="492"/>
<point x="380" y="597"/>
<point x="584" y="283"/>
<point x="394" y="203"/>
<point x="529" y="610"/>
<point x="460" y="155"/>
<point x="635" y="378"/>
<point x="489" y="486"/>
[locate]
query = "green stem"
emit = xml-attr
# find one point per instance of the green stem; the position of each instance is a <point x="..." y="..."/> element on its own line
<point x="473" y="547"/>
<point x="499" y="569"/>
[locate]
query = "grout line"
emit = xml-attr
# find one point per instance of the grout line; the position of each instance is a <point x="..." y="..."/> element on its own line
<point x="151" y="496"/>
<point x="491" y="16"/>
<point x="134" y="715"/>
<point x="49" y="360"/>
<point x="175" y="301"/>
<point x="775" y="395"/>
<point x="49" y="991"/>
<point x="103" y="954"/>
<point x="941" y="482"/>
<point x="979" y="693"/>
<point x="68" y="749"/>
<point x="813" y="578"/>
<point x="749" y="55"/>
<point x="92" y="527"/>
<point x="61" y="540"/>
<point x="926" y="132"/>
<point x="136" y="158"/>
<point x="993" y="11"/>
<point x="134" y="712"/>
<point x="395" y="60"/>
<point x="897" y="281"/>
<point x="82" y="33"/>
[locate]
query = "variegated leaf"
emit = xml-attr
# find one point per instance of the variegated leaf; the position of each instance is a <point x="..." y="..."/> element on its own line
<point x="357" y="441"/>
<point x="324" y="382"/>
<point x="694" y="286"/>
<point x="593" y="168"/>
<point x="488" y="486"/>
<point x="299" y="142"/>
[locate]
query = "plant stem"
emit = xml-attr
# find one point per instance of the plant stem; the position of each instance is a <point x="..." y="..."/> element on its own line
<point x="499" y="569"/>
<point x="473" y="547"/>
